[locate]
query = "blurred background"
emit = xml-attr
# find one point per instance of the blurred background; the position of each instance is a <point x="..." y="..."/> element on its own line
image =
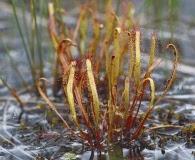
<point x="171" y="20"/>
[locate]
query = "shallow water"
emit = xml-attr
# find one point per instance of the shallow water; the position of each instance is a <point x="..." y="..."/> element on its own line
<point x="40" y="137"/>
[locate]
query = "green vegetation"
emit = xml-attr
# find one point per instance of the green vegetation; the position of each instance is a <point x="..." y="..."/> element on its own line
<point x="109" y="117"/>
<point x="103" y="96"/>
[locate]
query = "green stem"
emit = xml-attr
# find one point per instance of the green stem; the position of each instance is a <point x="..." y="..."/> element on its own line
<point x="23" y="41"/>
<point x="38" y="41"/>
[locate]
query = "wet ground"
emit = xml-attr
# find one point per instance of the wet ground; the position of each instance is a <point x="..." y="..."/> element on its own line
<point x="37" y="135"/>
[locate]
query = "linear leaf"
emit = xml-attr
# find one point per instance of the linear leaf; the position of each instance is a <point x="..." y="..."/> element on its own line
<point x="93" y="90"/>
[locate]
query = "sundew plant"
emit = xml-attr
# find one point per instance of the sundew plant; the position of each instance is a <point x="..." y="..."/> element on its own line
<point x="104" y="87"/>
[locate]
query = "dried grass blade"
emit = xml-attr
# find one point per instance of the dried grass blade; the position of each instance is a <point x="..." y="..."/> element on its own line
<point x="13" y="92"/>
<point x="52" y="105"/>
